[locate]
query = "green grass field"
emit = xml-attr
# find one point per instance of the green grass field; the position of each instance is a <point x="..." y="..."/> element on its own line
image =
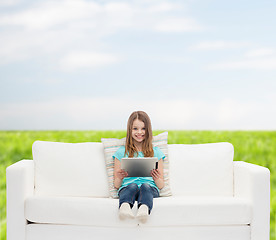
<point x="258" y="147"/>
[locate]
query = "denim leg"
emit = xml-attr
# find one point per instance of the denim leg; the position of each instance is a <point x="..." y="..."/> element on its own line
<point x="146" y="195"/>
<point x="128" y="194"/>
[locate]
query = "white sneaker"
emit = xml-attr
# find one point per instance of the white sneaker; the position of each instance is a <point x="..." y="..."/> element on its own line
<point x="143" y="213"/>
<point x="125" y="211"/>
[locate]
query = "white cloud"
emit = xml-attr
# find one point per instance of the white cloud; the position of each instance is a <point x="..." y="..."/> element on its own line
<point x="112" y="113"/>
<point x="50" y="13"/>
<point x="164" y="7"/>
<point x="174" y="24"/>
<point x="231" y="111"/>
<point x="218" y="45"/>
<point x="247" y="64"/>
<point x="55" y="28"/>
<point x="8" y="3"/>
<point x="260" y="52"/>
<point x="254" y="59"/>
<point x="78" y="60"/>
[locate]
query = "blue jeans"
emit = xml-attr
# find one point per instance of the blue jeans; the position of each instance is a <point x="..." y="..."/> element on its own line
<point x="143" y="195"/>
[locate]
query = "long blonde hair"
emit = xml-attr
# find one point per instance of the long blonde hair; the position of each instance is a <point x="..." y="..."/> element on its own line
<point x="130" y="148"/>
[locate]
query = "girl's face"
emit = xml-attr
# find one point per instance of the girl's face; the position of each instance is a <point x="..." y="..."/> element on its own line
<point x="138" y="131"/>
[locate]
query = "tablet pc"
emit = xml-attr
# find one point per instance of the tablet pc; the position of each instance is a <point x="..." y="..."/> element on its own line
<point x="139" y="167"/>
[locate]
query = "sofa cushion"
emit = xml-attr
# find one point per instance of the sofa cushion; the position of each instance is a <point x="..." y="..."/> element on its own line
<point x="200" y="210"/>
<point x="111" y="145"/>
<point x="69" y="169"/>
<point x="201" y="169"/>
<point x="169" y="211"/>
<point x="75" y="211"/>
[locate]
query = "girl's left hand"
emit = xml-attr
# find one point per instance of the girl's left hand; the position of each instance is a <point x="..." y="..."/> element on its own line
<point x="155" y="174"/>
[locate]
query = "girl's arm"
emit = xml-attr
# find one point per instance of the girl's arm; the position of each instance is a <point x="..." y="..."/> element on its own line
<point x="119" y="174"/>
<point x="158" y="175"/>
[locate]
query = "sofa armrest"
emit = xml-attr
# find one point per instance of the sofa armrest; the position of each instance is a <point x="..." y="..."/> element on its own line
<point x="20" y="185"/>
<point x="253" y="183"/>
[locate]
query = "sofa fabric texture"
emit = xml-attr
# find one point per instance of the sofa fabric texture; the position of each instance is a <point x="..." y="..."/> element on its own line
<point x="201" y="169"/>
<point x="70" y="169"/>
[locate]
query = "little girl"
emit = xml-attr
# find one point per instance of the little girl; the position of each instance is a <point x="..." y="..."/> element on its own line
<point x="143" y="189"/>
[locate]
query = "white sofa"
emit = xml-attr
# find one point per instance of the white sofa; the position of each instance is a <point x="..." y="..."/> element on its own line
<point x="63" y="194"/>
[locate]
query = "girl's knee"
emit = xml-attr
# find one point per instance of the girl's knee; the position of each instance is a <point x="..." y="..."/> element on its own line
<point x="133" y="186"/>
<point x="145" y="186"/>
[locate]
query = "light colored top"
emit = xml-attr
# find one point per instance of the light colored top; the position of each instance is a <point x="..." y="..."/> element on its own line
<point x="138" y="180"/>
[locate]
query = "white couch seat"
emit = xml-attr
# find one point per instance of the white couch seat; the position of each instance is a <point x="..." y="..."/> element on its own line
<point x="167" y="211"/>
<point x="200" y="210"/>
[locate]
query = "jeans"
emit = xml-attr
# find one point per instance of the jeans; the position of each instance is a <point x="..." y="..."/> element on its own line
<point x="143" y="195"/>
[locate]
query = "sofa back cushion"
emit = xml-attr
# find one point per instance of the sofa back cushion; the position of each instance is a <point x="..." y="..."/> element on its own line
<point x="78" y="169"/>
<point x="201" y="169"/>
<point x="70" y="169"/>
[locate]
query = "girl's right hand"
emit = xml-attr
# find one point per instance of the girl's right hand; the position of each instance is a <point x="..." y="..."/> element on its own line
<point x="121" y="174"/>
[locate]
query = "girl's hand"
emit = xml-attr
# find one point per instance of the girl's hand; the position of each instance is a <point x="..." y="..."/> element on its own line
<point x="121" y="174"/>
<point x="155" y="173"/>
<point x="158" y="178"/>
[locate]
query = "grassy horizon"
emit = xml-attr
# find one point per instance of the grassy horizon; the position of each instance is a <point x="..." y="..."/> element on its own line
<point x="257" y="147"/>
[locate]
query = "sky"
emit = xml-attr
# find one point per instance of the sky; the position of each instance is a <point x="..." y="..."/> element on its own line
<point x="87" y="64"/>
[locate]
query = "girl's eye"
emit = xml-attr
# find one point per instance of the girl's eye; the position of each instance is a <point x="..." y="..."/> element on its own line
<point x="135" y="128"/>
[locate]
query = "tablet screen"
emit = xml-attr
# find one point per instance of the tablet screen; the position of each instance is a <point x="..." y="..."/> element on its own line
<point x="139" y="167"/>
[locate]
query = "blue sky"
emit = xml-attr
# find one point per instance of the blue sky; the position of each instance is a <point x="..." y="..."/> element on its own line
<point x="88" y="64"/>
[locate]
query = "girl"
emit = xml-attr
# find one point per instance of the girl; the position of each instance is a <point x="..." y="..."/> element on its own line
<point x="143" y="189"/>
